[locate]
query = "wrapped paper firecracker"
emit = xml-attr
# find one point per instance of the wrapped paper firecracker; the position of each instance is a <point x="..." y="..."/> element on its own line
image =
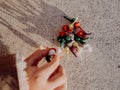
<point x="72" y="35"/>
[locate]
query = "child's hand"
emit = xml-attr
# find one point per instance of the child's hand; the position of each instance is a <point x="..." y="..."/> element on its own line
<point x="50" y="76"/>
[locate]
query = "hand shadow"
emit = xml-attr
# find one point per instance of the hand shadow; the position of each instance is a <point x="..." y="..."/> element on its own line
<point x="46" y="20"/>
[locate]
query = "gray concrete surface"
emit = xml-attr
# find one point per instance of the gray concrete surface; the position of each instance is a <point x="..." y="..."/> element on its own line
<point x="26" y="24"/>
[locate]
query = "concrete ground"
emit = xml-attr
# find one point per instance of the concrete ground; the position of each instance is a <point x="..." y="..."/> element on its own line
<point x="26" y="24"/>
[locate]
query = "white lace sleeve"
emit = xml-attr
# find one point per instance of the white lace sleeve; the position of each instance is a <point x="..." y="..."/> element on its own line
<point x="21" y="73"/>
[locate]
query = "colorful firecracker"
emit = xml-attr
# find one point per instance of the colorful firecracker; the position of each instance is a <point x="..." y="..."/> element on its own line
<point x="46" y="57"/>
<point x="72" y="36"/>
<point x="50" y="55"/>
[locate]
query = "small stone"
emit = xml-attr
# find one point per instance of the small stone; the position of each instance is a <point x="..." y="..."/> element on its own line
<point x="118" y="66"/>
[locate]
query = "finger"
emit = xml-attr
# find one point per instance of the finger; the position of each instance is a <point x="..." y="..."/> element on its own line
<point x="33" y="59"/>
<point x="59" y="79"/>
<point x="56" y="73"/>
<point x="62" y="87"/>
<point x="31" y="71"/>
<point x="48" y="68"/>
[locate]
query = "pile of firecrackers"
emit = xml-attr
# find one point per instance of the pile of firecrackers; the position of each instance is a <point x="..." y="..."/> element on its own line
<point x="72" y="37"/>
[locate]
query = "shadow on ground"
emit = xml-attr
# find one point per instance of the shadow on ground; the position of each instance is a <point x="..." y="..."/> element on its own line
<point x="44" y="20"/>
<point x="3" y="48"/>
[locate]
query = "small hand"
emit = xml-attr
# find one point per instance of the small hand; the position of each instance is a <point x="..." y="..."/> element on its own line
<point x="50" y="76"/>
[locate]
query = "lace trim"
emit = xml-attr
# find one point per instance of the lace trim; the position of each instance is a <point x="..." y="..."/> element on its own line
<point x="22" y="74"/>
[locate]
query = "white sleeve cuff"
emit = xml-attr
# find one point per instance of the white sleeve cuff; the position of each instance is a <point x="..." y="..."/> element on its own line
<point x="21" y="73"/>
